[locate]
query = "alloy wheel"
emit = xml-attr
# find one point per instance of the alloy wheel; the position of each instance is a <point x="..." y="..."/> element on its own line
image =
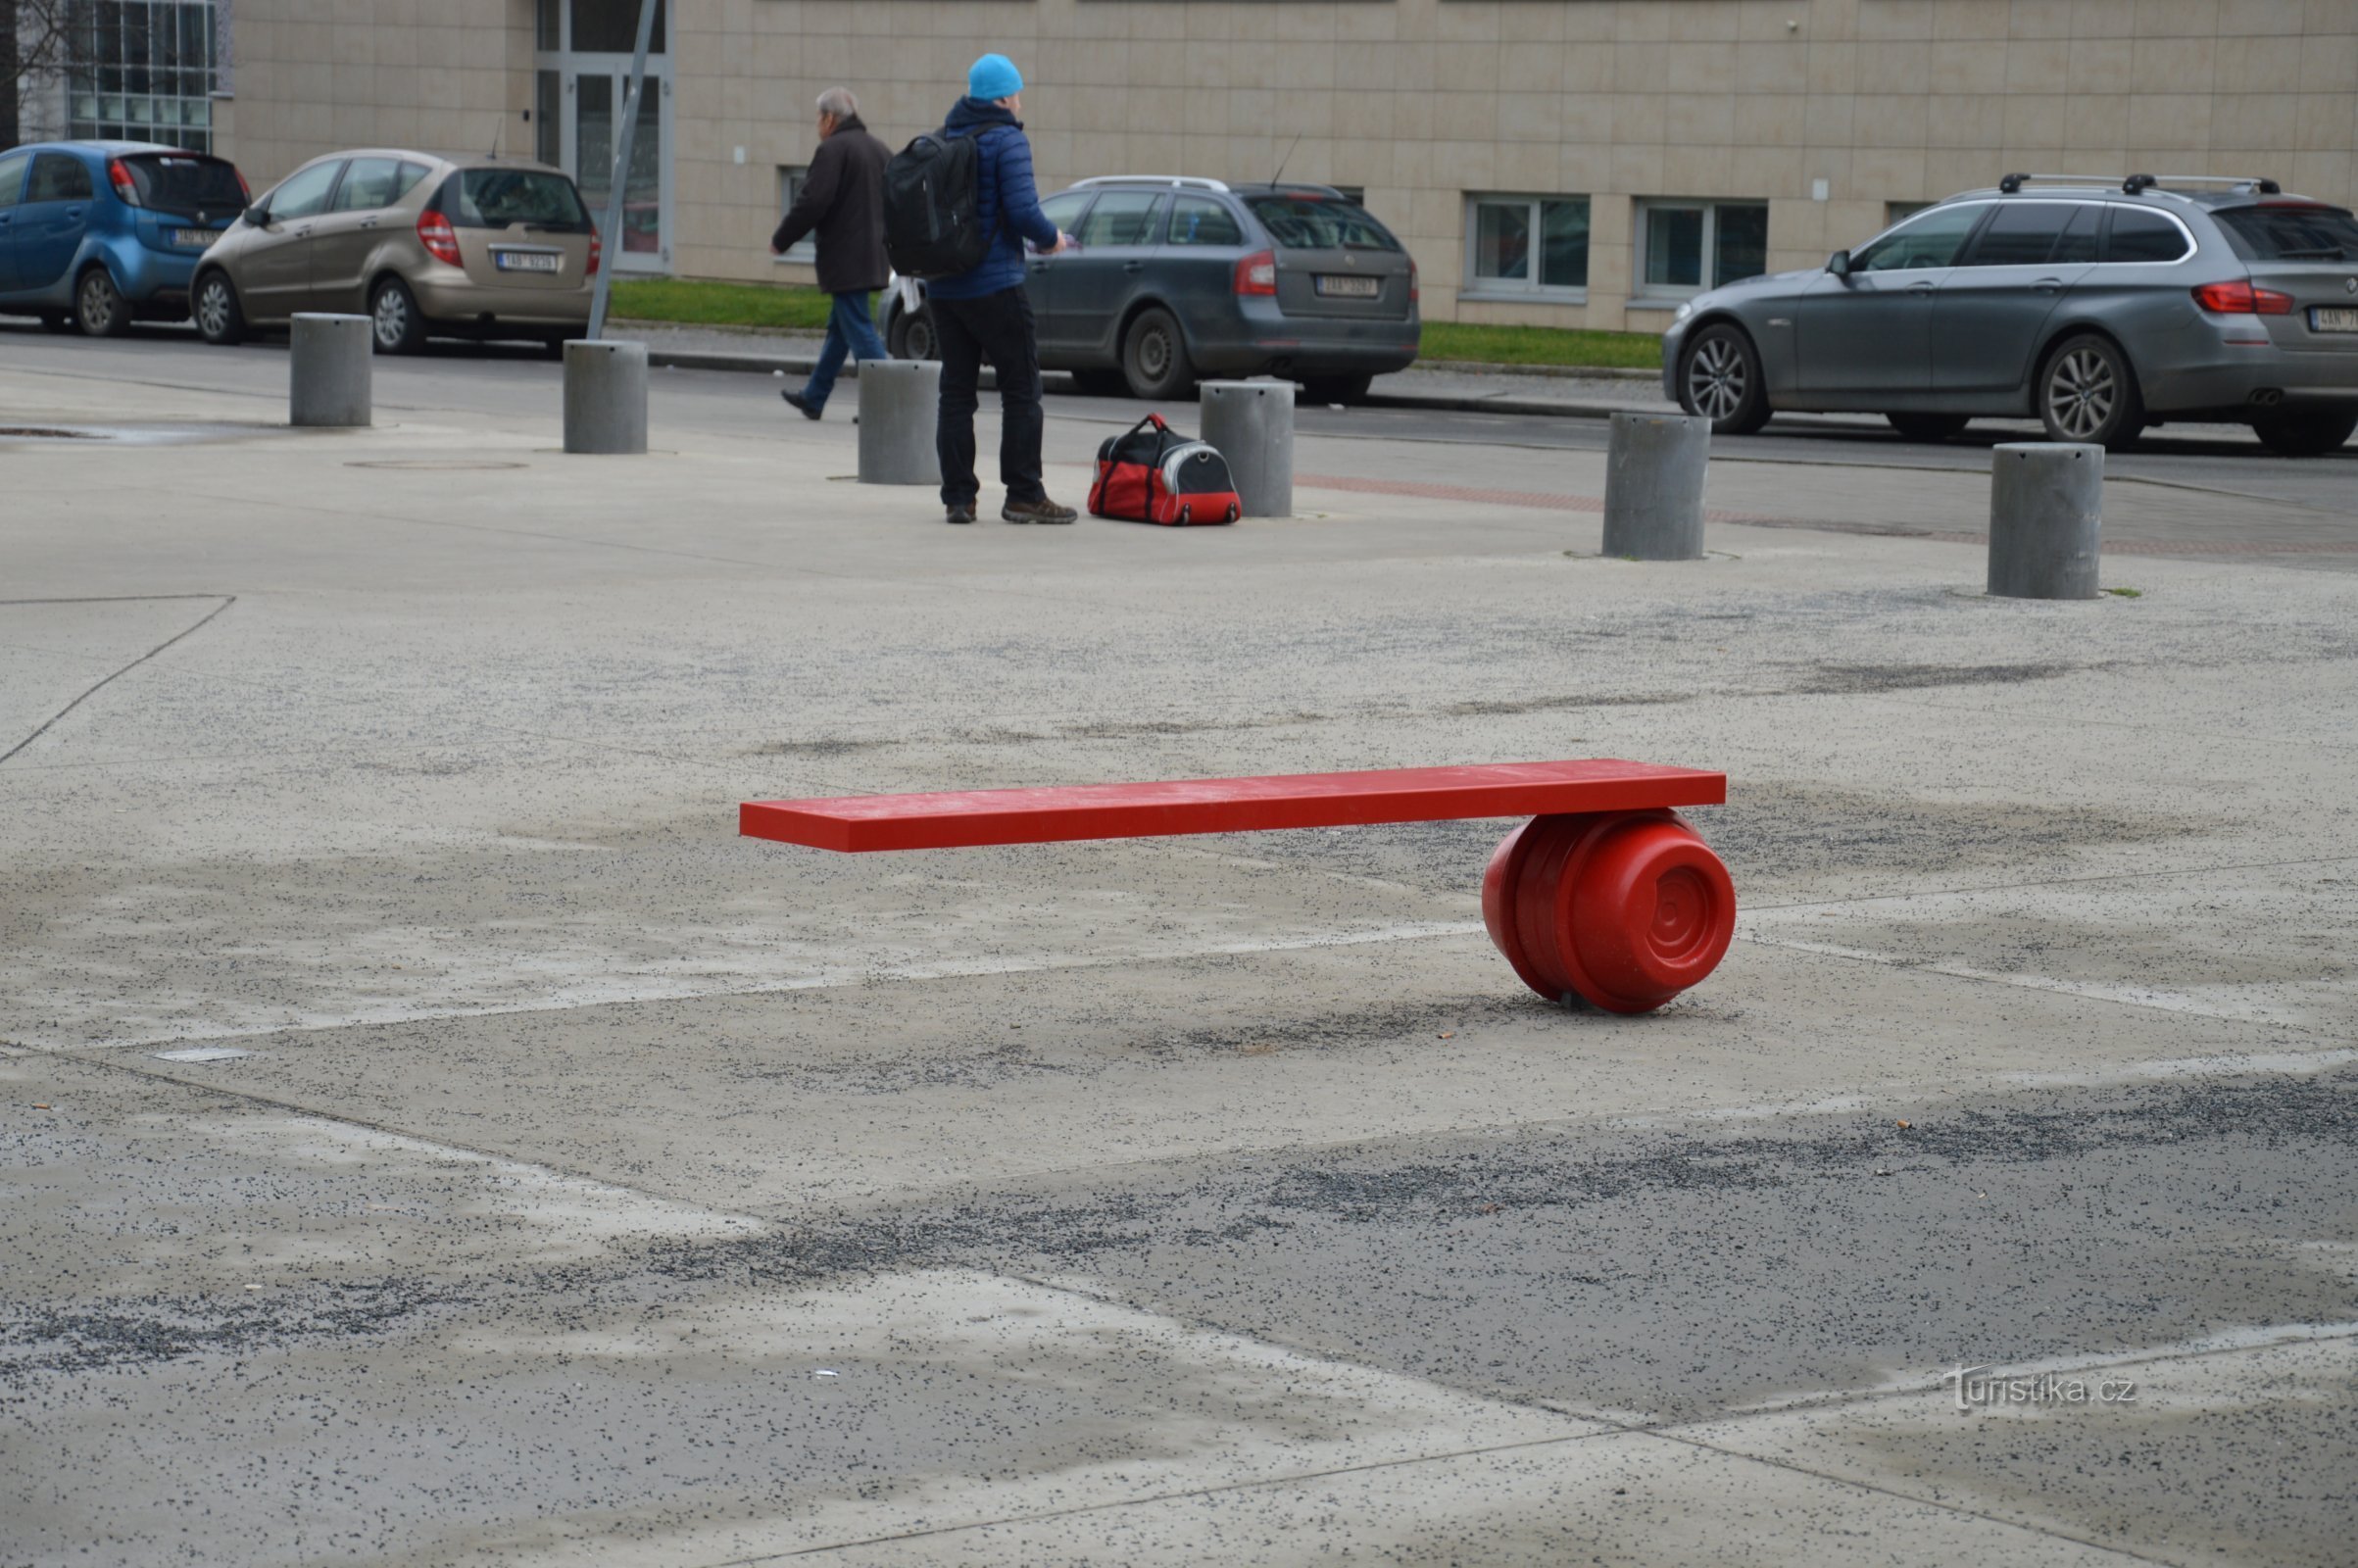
<point x="98" y="303"/>
<point x="392" y="316"/>
<point x="2082" y="393"/>
<point x="213" y="308"/>
<point x="919" y="338"/>
<point x="1716" y="378"/>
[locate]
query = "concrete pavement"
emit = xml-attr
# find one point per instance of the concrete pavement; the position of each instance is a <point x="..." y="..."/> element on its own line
<point x="595" y="1186"/>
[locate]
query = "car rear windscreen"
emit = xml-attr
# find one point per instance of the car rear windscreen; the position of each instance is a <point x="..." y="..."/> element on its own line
<point x="505" y="198"/>
<point x="186" y="183"/>
<point x="2304" y="234"/>
<point x="1320" y="223"/>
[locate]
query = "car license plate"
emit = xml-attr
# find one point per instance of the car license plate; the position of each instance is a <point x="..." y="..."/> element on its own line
<point x="1348" y="289"/>
<point x="2334" y="320"/>
<point x="194" y="238"/>
<point x="526" y="261"/>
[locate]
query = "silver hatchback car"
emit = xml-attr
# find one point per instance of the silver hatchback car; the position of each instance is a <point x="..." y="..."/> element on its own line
<point x="2099" y="308"/>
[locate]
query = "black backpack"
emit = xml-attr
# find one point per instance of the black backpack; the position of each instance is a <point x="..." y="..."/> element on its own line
<point x="933" y="207"/>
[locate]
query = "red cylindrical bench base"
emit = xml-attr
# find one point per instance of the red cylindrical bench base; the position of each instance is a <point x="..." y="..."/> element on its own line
<point x="1622" y="909"/>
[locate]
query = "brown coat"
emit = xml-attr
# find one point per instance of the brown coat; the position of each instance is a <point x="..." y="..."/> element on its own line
<point x="843" y="203"/>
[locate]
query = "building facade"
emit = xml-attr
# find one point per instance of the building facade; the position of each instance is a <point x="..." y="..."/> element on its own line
<point x="1570" y="163"/>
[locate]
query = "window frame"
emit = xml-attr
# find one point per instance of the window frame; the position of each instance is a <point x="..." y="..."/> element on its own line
<point x="1158" y="220"/>
<point x="1227" y="210"/>
<point x="2112" y="213"/>
<point x="1969" y="254"/>
<point x="802" y="251"/>
<point x="1664" y="296"/>
<point x="1528" y="289"/>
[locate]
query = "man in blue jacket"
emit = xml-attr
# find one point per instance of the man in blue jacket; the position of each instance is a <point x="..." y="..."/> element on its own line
<point x="985" y="313"/>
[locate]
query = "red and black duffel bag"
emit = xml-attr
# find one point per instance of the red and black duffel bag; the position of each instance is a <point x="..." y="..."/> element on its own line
<point x="1152" y="473"/>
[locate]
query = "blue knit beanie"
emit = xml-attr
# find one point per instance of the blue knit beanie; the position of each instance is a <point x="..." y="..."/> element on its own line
<point x="993" y="78"/>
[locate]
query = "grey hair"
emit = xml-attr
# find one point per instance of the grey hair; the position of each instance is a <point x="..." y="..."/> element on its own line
<point x="839" y="103"/>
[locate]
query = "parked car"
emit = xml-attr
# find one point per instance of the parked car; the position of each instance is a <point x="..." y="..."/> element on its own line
<point x="2098" y="307"/>
<point x="425" y="246"/>
<point x="1179" y="278"/>
<point x="97" y="234"/>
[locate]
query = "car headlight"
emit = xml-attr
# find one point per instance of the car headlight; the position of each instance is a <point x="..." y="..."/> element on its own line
<point x="1685" y="310"/>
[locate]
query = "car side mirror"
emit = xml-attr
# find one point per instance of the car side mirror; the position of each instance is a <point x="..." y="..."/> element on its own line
<point x="1839" y="263"/>
<point x="256" y="215"/>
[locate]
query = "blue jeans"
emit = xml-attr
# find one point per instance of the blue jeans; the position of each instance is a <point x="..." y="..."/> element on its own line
<point x="849" y="331"/>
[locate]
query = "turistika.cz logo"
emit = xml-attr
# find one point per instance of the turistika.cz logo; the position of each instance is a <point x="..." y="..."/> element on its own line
<point x="1981" y="1388"/>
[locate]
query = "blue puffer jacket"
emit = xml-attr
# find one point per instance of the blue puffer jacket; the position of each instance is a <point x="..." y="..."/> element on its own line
<point x="1010" y="205"/>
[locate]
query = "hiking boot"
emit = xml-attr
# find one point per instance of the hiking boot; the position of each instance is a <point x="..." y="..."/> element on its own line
<point x="959" y="515"/>
<point x="1039" y="511"/>
<point x="796" y="399"/>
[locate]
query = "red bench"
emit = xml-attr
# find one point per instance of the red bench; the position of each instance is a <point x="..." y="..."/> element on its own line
<point x="1604" y="895"/>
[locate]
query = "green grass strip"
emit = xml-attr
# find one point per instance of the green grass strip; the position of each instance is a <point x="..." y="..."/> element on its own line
<point x="689" y="303"/>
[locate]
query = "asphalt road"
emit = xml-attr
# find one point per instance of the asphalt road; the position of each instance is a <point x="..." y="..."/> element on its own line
<point x="2221" y="459"/>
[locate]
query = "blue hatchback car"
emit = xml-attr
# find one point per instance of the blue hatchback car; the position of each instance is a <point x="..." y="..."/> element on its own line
<point x="97" y="234"/>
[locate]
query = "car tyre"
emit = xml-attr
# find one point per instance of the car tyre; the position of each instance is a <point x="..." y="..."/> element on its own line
<point x="1928" y="426"/>
<point x="220" y="318"/>
<point x="1719" y="380"/>
<point x="911" y="335"/>
<point x="2304" y="435"/>
<point x="99" y="307"/>
<point x="2089" y="393"/>
<point x="395" y="326"/>
<point x="1338" y="388"/>
<point x="1154" y="357"/>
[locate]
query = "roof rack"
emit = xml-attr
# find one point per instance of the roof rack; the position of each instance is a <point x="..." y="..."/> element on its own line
<point x="1187" y="182"/>
<point x="2251" y="182"/>
<point x="2138" y="184"/>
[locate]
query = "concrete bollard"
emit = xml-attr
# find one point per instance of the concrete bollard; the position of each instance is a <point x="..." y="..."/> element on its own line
<point x="605" y="398"/>
<point x="1655" y="467"/>
<point x="2046" y="521"/>
<point x="897" y="399"/>
<point x="330" y="364"/>
<point x="1252" y="423"/>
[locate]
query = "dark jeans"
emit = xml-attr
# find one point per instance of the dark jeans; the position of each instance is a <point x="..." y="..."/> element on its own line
<point x="851" y="330"/>
<point x="997" y="328"/>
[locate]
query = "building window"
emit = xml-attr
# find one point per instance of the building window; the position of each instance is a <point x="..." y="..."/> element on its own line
<point x="790" y="191"/>
<point x="1685" y="247"/>
<point x="612" y="28"/>
<point x="142" y="70"/>
<point x="547" y="117"/>
<point x="1536" y="245"/>
<point x="1893" y="212"/>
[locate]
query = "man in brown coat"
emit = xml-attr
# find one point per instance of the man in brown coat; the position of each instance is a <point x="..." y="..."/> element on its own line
<point x="843" y="203"/>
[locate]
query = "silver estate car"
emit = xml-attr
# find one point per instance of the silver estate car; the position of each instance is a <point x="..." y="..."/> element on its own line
<point x="2101" y="308"/>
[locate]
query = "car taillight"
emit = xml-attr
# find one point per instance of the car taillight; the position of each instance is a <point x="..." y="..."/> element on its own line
<point x="441" y="241"/>
<point x="243" y="189"/>
<point x="597" y="251"/>
<point x="2239" y="298"/>
<point x="120" y="178"/>
<point x="1258" y="273"/>
<point x="1412" y="294"/>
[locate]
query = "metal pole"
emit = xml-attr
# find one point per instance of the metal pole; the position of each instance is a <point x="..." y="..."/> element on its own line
<point x="613" y="196"/>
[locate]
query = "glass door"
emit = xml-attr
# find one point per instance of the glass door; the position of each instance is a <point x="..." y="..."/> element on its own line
<point x="583" y="59"/>
<point x="597" y="99"/>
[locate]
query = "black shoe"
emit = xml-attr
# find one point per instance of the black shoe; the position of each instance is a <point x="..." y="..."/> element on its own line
<point x="959" y="515"/>
<point x="809" y="408"/>
<point x="1039" y="511"/>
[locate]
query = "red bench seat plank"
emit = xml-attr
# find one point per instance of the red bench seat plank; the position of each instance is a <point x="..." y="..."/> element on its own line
<point x="968" y="817"/>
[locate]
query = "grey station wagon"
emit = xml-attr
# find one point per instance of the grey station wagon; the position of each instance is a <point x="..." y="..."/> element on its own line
<point x="2099" y="308"/>
<point x="1179" y="278"/>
